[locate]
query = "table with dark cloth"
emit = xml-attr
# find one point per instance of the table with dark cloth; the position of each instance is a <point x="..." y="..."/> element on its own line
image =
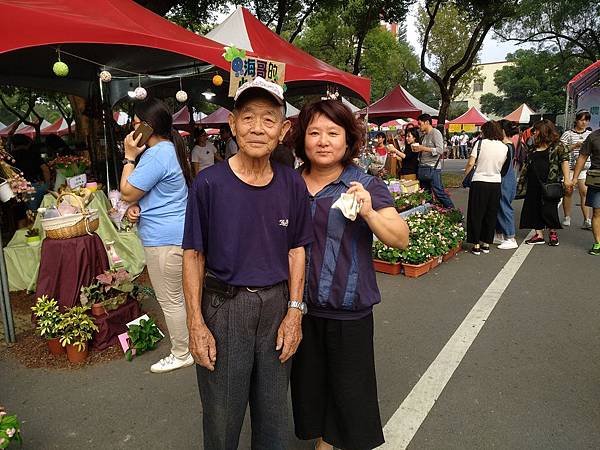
<point x="112" y="324"/>
<point x="68" y="264"/>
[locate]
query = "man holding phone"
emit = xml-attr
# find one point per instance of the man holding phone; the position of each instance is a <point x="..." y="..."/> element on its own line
<point x="244" y="294"/>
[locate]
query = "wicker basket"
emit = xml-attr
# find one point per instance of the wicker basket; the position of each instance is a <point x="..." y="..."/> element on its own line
<point x="73" y="225"/>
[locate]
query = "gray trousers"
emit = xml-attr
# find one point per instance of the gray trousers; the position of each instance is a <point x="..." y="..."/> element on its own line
<point x="247" y="370"/>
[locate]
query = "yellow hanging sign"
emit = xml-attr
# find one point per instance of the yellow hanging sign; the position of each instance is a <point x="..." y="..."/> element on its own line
<point x="248" y="68"/>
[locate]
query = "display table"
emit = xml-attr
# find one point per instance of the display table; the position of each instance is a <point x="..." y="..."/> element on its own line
<point x="22" y="261"/>
<point x="112" y="324"/>
<point x="68" y="264"/>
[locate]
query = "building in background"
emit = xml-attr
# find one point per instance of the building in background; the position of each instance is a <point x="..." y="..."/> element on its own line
<point x="488" y="86"/>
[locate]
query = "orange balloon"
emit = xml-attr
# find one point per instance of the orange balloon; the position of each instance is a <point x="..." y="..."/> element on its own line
<point x="217" y="80"/>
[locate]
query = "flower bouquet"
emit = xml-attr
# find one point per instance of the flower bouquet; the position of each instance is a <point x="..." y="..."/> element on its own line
<point x="69" y="166"/>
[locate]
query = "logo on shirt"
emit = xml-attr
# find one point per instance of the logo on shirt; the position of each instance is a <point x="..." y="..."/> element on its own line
<point x="284" y="222"/>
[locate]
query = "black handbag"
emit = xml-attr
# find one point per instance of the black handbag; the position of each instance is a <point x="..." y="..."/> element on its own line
<point x="551" y="192"/>
<point x="425" y="172"/>
<point x="468" y="179"/>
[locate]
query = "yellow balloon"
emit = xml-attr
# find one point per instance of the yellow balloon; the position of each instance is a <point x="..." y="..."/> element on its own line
<point x="217" y="80"/>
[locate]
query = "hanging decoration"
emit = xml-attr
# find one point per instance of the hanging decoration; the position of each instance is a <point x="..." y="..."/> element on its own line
<point x="105" y="76"/>
<point x="181" y="95"/>
<point x="217" y="80"/>
<point x="140" y="93"/>
<point x="59" y="68"/>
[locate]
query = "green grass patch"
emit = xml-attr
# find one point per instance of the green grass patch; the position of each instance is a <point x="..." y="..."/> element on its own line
<point x="452" y="180"/>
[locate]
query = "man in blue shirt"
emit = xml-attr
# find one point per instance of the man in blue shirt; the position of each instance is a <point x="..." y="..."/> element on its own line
<point x="247" y="222"/>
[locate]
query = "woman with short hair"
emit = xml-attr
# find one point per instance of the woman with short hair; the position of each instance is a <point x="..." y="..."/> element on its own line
<point x="547" y="162"/>
<point x="334" y="388"/>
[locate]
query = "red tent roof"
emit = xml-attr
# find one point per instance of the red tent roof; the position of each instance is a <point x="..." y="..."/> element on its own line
<point x="217" y="118"/>
<point x="245" y="31"/>
<point x="182" y="117"/>
<point x="59" y="127"/>
<point x="584" y="79"/>
<point x="472" y="116"/>
<point x="7" y="130"/>
<point x="397" y="103"/>
<point x="521" y="115"/>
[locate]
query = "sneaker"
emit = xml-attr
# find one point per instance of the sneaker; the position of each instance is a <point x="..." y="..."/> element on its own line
<point x="476" y="251"/>
<point x="536" y="239"/>
<point x="595" y="250"/>
<point x="508" y="244"/>
<point x="567" y="221"/>
<point x="170" y="363"/>
<point x="587" y="224"/>
<point x="553" y="239"/>
<point x="498" y="238"/>
<point x="485" y="249"/>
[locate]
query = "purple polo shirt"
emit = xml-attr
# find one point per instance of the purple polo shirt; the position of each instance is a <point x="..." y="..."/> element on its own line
<point x="341" y="281"/>
<point x="244" y="231"/>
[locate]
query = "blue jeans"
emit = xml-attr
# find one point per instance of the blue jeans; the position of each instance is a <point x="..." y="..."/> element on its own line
<point x="505" y="221"/>
<point x="437" y="189"/>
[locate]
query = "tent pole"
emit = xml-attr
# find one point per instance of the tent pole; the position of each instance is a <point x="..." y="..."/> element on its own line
<point x="5" y="306"/>
<point x="567" y="111"/>
<point x="105" y="136"/>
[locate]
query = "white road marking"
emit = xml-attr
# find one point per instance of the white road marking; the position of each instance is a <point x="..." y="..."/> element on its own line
<point x="404" y="424"/>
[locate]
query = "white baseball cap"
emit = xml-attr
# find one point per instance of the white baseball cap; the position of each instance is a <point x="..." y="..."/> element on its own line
<point x="260" y="83"/>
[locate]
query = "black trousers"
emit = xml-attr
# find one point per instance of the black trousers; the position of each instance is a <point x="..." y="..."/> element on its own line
<point x="484" y="201"/>
<point x="334" y="389"/>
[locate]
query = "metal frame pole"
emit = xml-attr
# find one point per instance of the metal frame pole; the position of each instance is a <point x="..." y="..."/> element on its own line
<point x="5" y="306"/>
<point x="105" y="134"/>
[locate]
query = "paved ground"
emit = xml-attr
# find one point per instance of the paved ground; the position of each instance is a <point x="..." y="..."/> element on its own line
<point x="531" y="378"/>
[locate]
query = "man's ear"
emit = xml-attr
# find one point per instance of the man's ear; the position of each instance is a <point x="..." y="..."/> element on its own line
<point x="231" y="120"/>
<point x="284" y="129"/>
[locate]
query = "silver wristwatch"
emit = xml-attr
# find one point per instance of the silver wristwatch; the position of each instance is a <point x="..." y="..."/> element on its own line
<point x="298" y="305"/>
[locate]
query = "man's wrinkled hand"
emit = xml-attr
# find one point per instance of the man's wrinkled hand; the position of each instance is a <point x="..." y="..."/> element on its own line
<point x="203" y="346"/>
<point x="289" y="334"/>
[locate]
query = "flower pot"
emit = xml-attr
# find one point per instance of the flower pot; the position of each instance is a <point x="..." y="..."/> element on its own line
<point x="436" y="261"/>
<point x="34" y="241"/>
<point x="6" y="192"/>
<point x="55" y="347"/>
<point x="416" y="270"/>
<point x="386" y="267"/>
<point x="74" y="355"/>
<point x="98" y="310"/>
<point x="449" y="255"/>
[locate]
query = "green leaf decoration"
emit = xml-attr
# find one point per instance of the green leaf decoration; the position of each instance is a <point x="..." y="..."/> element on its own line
<point x="232" y="52"/>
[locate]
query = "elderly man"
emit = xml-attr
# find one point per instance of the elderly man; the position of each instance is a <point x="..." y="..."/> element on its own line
<point x="591" y="149"/>
<point x="247" y="223"/>
<point x="431" y="151"/>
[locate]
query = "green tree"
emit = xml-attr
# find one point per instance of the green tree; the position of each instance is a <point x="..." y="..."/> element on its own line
<point x="476" y="18"/>
<point x="572" y="27"/>
<point x="537" y="78"/>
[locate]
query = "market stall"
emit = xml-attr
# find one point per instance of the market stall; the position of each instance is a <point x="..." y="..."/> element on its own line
<point x="468" y="121"/>
<point x="398" y="103"/>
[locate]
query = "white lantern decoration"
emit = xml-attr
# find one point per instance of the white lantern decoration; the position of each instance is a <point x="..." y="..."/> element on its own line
<point x="105" y="76"/>
<point x="140" y="93"/>
<point x="181" y="96"/>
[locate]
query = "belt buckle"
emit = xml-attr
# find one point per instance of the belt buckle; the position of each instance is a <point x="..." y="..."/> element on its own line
<point x="254" y="291"/>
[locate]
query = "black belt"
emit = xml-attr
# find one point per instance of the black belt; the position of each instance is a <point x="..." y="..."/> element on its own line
<point x="213" y="285"/>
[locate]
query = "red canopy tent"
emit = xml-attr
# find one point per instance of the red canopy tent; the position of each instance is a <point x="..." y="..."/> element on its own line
<point x="60" y="127"/>
<point x="115" y="33"/>
<point x="396" y="104"/>
<point x="521" y="115"/>
<point x="472" y="117"/>
<point x="7" y="130"/>
<point x="216" y="119"/>
<point x="303" y="72"/>
<point x="577" y="86"/>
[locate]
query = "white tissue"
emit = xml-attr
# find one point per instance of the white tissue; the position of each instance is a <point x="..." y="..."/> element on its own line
<point x="348" y="205"/>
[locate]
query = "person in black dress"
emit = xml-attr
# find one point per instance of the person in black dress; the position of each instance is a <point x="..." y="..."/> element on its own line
<point x="410" y="163"/>
<point x="547" y="162"/>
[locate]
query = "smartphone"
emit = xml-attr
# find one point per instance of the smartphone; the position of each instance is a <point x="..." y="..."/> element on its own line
<point x="145" y="130"/>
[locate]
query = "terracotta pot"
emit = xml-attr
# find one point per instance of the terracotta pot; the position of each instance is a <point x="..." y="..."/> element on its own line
<point x="98" y="310"/>
<point x="436" y="261"/>
<point x="448" y="256"/>
<point x="55" y="347"/>
<point x="416" y="270"/>
<point x="386" y="267"/>
<point x="74" y="355"/>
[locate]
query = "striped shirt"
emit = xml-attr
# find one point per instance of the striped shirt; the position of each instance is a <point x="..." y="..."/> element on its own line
<point x="571" y="137"/>
<point x="341" y="281"/>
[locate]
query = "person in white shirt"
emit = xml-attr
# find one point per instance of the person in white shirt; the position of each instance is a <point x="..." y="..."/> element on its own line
<point x="204" y="152"/>
<point x="463" y="145"/>
<point x="231" y="147"/>
<point x="573" y="139"/>
<point x="485" y="190"/>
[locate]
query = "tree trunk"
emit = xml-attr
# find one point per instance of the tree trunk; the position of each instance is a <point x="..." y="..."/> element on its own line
<point x="446" y="100"/>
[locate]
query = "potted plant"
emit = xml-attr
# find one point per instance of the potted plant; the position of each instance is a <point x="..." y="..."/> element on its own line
<point x="10" y="429"/>
<point x="386" y="259"/>
<point x="94" y="296"/>
<point x="76" y="331"/>
<point x="33" y="237"/>
<point x="48" y="319"/>
<point x="111" y="290"/>
<point x="142" y="338"/>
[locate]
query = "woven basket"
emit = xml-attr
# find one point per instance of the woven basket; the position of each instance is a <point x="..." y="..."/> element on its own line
<point x="73" y="225"/>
